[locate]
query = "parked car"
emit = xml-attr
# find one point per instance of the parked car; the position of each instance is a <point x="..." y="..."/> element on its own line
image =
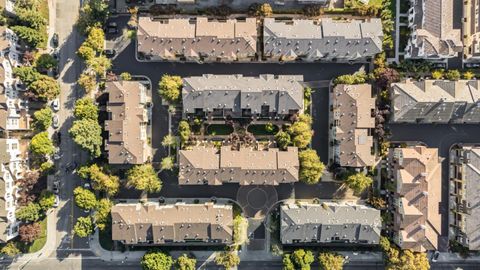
<point x="112" y="25"/>
<point x="56" y="104"/>
<point x="435" y="256"/>
<point x="110" y="53"/>
<point x="57" y="201"/>
<point x="55" y="40"/>
<point x="56" y="121"/>
<point x="56" y="186"/>
<point x="112" y="30"/>
<point x="86" y="185"/>
<point x="55" y="54"/>
<point x="472" y="65"/>
<point x="57" y="155"/>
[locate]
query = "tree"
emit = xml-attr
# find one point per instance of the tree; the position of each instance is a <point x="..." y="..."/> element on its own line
<point x="227" y="259"/>
<point x="26" y="74"/>
<point x="377" y="202"/>
<point x="331" y="261"/>
<point x="437" y="74"/>
<point x="88" y="134"/>
<point x="96" y="39"/>
<point x="311" y="168"/>
<point x="358" y="77"/>
<point x="41" y="144"/>
<point x="387" y="76"/>
<point x="85" y="109"/>
<point x="42" y="119"/>
<point x="92" y="14"/>
<point x="99" y="64"/>
<point x="30" y="17"/>
<point x="88" y="82"/>
<point x="264" y="10"/>
<point x="28" y="213"/>
<point x="83" y="227"/>
<point x="453" y="75"/>
<point x="31" y="36"/>
<point x="125" y="76"/>
<point x="102" y="213"/>
<point x="170" y="87"/>
<point x="358" y="182"/>
<point x="46" y="166"/>
<point x="156" y="260"/>
<point x="45" y="88"/>
<point x="84" y="198"/>
<point x="384" y="243"/>
<point x="47" y="200"/>
<point x="86" y="52"/>
<point x="101" y="181"/>
<point x="10" y="249"/>
<point x="302" y="259"/>
<point x="301" y="131"/>
<point x="45" y="62"/>
<point x="185" y="263"/>
<point x="184" y="131"/>
<point x="169" y="141"/>
<point x="468" y="75"/>
<point x="29" y="232"/>
<point x="143" y="177"/>
<point x="283" y="139"/>
<point x="29" y="179"/>
<point x="167" y="163"/>
<point x="287" y="262"/>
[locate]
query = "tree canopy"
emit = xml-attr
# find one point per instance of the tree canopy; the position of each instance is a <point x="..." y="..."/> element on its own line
<point x="29" y="212"/>
<point x="45" y="88"/>
<point x="301" y="131"/>
<point x="167" y="163"/>
<point x="143" y="177"/>
<point x="29" y="232"/>
<point x="87" y="133"/>
<point x="358" y="182"/>
<point x="283" y="139"/>
<point x="10" y="249"/>
<point x="102" y="213"/>
<point x="227" y="259"/>
<point x="96" y="39"/>
<point x="83" y="227"/>
<point x="156" y="260"/>
<point x="358" y="77"/>
<point x="31" y="36"/>
<point x="41" y="144"/>
<point x="185" y="263"/>
<point x="302" y="259"/>
<point x="85" y="109"/>
<point x="311" y="168"/>
<point x="46" y="62"/>
<point x="184" y="131"/>
<point x="453" y="75"/>
<point x="101" y="180"/>
<point x="42" y="119"/>
<point x="331" y="261"/>
<point x="84" y="198"/>
<point x="47" y="200"/>
<point x="99" y="64"/>
<point x="26" y="74"/>
<point x="86" y="52"/>
<point x="93" y="13"/>
<point x="170" y="88"/>
<point x="88" y="82"/>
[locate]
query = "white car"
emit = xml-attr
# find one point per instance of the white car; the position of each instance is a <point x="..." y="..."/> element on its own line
<point x="435" y="256"/>
<point x="56" y="121"/>
<point x="57" y="201"/>
<point x="56" y="105"/>
<point x="86" y="185"/>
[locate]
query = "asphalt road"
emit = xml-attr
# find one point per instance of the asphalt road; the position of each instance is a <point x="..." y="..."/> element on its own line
<point x="441" y="137"/>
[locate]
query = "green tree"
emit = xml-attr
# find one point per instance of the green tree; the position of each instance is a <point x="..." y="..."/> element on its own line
<point x="101" y="180"/>
<point x="46" y="166"/>
<point x="86" y="52"/>
<point x="143" y="177"/>
<point x="167" y="163"/>
<point x="331" y="261"/>
<point x="468" y="75"/>
<point x="45" y="88"/>
<point x="170" y="87"/>
<point x="185" y="263"/>
<point x="85" y="109"/>
<point x="88" y="82"/>
<point x="93" y="13"/>
<point x="84" y="198"/>
<point x="41" y="144"/>
<point x="87" y="133"/>
<point x="263" y="10"/>
<point x="99" y="64"/>
<point x="358" y="77"/>
<point x="311" y="168"/>
<point x="227" y="259"/>
<point x="31" y="36"/>
<point x="102" y="213"/>
<point x="29" y="212"/>
<point x="26" y="74"/>
<point x="125" y="76"/>
<point x="42" y="119"/>
<point x="47" y="200"/>
<point x="287" y="262"/>
<point x="453" y="75"/>
<point x="437" y="74"/>
<point x="30" y="17"/>
<point x="283" y="139"/>
<point x="45" y="62"/>
<point x="156" y="260"/>
<point x="302" y="259"/>
<point x="301" y="131"/>
<point x="169" y="141"/>
<point x="184" y="131"/>
<point x="96" y="39"/>
<point x="358" y="182"/>
<point x="10" y="249"/>
<point x="83" y="227"/>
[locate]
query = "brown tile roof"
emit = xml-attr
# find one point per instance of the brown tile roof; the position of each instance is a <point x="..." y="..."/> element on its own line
<point x="127" y="141"/>
<point x="246" y="166"/>
<point x="417" y="171"/>
<point x="352" y="110"/>
<point x="156" y="224"/>
<point x="170" y="38"/>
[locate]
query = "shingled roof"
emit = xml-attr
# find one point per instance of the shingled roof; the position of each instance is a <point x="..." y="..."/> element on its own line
<point x="436" y="101"/>
<point x="418" y="174"/>
<point x="127" y="138"/>
<point x="329" y="223"/>
<point x="282" y="93"/>
<point x="197" y="38"/>
<point x="352" y="112"/>
<point x="324" y="39"/>
<point x="155" y="224"/>
<point x="246" y="166"/>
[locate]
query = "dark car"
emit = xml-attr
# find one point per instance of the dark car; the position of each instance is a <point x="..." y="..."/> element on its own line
<point x="55" y="40"/>
<point x="110" y="53"/>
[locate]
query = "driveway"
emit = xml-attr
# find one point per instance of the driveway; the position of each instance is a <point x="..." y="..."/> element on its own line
<point x="441" y="137"/>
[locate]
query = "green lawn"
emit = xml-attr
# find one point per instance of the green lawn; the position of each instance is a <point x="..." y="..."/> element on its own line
<point x="261" y="130"/>
<point x="216" y="129"/>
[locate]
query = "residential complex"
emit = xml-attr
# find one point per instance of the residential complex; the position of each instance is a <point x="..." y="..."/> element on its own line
<point x="127" y="123"/>
<point x="352" y="107"/>
<point x="197" y="39"/>
<point x="471" y="30"/>
<point x="236" y="96"/>
<point x="205" y="165"/>
<point x="436" y="101"/>
<point x="152" y="223"/>
<point x="12" y="165"/>
<point x="433" y="35"/>
<point x="417" y="173"/>
<point x="321" y="40"/>
<point x="329" y="223"/>
<point x="464" y="196"/>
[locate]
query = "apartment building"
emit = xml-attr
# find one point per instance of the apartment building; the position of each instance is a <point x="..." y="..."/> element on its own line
<point x="329" y="223"/>
<point x="471" y="30"/>
<point x="235" y="96"/>
<point x="417" y="173"/>
<point x="206" y="165"/>
<point x="127" y="124"/>
<point x="436" y="101"/>
<point x="432" y="34"/>
<point x="197" y="39"/>
<point x="152" y="223"/>
<point x="12" y="165"/>
<point x="464" y="196"/>
<point x="321" y="40"/>
<point x="352" y="107"/>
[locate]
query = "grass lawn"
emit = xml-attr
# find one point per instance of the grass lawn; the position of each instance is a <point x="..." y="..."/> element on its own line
<point x="37" y="244"/>
<point x="219" y="129"/>
<point x="261" y="130"/>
